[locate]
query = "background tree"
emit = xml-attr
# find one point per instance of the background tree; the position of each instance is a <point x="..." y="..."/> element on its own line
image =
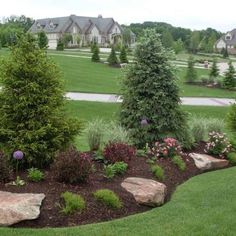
<point x="126" y="36"/>
<point x="224" y="52"/>
<point x="151" y="105"/>
<point x="191" y="74"/>
<point x="112" y="59"/>
<point x="214" y="71"/>
<point x="178" y="46"/>
<point x="123" y="55"/>
<point x="32" y="118"/>
<point x="167" y="39"/>
<point x="66" y="39"/>
<point x="42" y="40"/>
<point x="60" y="45"/>
<point x="229" y="80"/>
<point x="95" y="56"/>
<point x="194" y="42"/>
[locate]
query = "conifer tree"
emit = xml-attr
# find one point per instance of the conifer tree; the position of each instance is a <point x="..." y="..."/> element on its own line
<point x="214" y="71"/>
<point x="32" y="100"/>
<point x="191" y="74"/>
<point x="60" y="45"/>
<point x="229" y="78"/>
<point x="151" y="104"/>
<point x="95" y="56"/>
<point x="42" y="40"/>
<point x="123" y="55"/>
<point x="112" y="59"/>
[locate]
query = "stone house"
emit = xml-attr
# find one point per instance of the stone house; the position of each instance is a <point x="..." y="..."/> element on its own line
<point x="103" y="31"/>
<point x="227" y="41"/>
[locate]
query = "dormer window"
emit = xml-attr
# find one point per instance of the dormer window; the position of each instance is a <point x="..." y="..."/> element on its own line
<point x="38" y="25"/>
<point x="228" y="37"/>
<point x="51" y="25"/>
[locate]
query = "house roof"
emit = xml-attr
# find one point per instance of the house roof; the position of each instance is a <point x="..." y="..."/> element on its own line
<point x="61" y="24"/>
<point x="232" y="41"/>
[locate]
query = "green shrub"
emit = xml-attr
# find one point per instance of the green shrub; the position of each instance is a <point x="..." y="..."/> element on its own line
<point x="60" y="45"/>
<point x="158" y="172"/>
<point x="42" y="40"/>
<point x="214" y="70"/>
<point x="229" y="77"/>
<point x="178" y="161"/>
<point x="4" y="168"/>
<point x="123" y="55"/>
<point x="73" y="203"/>
<point x="120" y="167"/>
<point x="109" y="198"/>
<point x="33" y="116"/>
<point x="115" y="133"/>
<point x="109" y="171"/>
<point x="35" y="175"/>
<point x="198" y="128"/>
<point x="72" y="167"/>
<point x="191" y="74"/>
<point x="232" y="158"/>
<point x="151" y="94"/>
<point x="231" y="118"/>
<point x="95" y="56"/>
<point x="95" y="131"/>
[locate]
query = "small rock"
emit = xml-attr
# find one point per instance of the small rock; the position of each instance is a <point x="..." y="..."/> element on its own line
<point x="16" y="207"/>
<point x="145" y="191"/>
<point x="206" y="162"/>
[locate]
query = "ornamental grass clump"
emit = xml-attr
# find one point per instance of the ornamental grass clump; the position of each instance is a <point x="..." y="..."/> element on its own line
<point x="218" y="144"/>
<point x="169" y="147"/>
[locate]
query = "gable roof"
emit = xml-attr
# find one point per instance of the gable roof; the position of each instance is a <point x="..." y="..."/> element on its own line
<point x="62" y="24"/>
<point x="230" y="42"/>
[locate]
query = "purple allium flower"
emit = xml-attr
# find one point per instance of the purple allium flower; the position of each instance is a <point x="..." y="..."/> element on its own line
<point x="18" y="155"/>
<point x="144" y="122"/>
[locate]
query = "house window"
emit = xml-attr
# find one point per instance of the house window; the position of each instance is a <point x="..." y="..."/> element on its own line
<point x="51" y="25"/>
<point x="228" y="37"/>
<point x="74" y="30"/>
<point x="38" y="25"/>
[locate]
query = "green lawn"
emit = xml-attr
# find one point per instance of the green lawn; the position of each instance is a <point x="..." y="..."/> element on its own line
<point x="87" y="111"/>
<point x="203" y="206"/>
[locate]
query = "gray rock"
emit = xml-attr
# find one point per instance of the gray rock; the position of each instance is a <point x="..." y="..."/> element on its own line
<point x="16" y="207"/>
<point x="206" y="162"/>
<point x="145" y="191"/>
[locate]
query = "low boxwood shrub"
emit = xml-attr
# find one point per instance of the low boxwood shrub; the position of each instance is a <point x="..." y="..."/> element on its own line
<point x="114" y="152"/>
<point x="4" y="168"/>
<point x="35" y="175"/>
<point x="73" y="203"/>
<point x="232" y="158"/>
<point x="109" y="198"/>
<point x="72" y="166"/>
<point x="158" y="172"/>
<point x="178" y="161"/>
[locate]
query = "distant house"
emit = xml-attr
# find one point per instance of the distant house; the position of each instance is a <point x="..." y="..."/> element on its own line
<point x="103" y="31"/>
<point x="227" y="41"/>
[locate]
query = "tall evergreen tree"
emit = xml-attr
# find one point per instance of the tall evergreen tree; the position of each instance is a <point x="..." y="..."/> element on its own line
<point x="151" y="104"/>
<point x="214" y="71"/>
<point x="229" y="81"/>
<point x="191" y="74"/>
<point x="123" y="55"/>
<point x="32" y="105"/>
<point x="95" y="56"/>
<point x="112" y="59"/>
<point x="60" y="45"/>
<point x="42" y="40"/>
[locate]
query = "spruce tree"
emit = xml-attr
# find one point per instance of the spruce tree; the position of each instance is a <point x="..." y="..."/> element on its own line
<point x="214" y="71"/>
<point x="123" y="55"/>
<point x="32" y="100"/>
<point x="151" y="104"/>
<point x="191" y="75"/>
<point x="112" y="59"/>
<point x="60" y="45"/>
<point x="42" y="40"/>
<point x="229" y="78"/>
<point x="95" y="56"/>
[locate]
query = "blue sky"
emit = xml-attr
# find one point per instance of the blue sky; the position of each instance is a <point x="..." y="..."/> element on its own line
<point x="198" y="14"/>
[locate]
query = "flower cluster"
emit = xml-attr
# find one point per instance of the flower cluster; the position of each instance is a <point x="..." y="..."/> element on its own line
<point x="168" y="148"/>
<point x="217" y="144"/>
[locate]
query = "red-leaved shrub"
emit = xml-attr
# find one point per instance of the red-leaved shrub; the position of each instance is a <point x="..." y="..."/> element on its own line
<point x="72" y="166"/>
<point x="114" y="152"/>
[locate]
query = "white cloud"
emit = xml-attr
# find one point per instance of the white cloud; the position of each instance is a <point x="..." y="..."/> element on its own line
<point x="192" y="14"/>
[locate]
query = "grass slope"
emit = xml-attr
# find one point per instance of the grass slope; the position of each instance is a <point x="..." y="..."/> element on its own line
<point x="204" y="205"/>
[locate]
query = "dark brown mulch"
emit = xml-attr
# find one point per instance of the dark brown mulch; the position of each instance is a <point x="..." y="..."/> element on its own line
<point x="95" y="212"/>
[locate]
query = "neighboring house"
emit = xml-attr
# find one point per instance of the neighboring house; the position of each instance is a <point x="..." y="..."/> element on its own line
<point x="103" y="31"/>
<point x="227" y="41"/>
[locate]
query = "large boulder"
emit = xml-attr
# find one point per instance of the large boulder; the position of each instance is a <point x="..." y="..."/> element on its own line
<point x="145" y="191"/>
<point x="16" y="207"/>
<point x="206" y="162"/>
